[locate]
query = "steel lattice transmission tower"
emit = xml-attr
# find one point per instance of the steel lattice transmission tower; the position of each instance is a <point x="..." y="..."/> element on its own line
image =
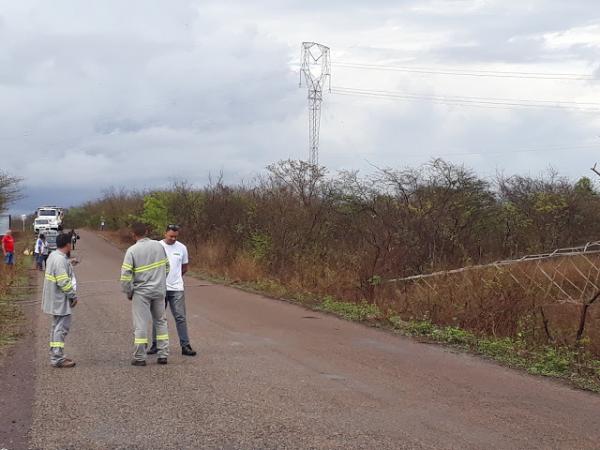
<point x="316" y="69"/>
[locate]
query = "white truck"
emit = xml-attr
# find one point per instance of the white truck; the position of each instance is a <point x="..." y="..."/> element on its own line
<point x="48" y="217"/>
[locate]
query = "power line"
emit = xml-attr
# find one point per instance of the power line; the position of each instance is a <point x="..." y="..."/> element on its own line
<point x="503" y="152"/>
<point x="505" y="72"/>
<point x="476" y="98"/>
<point x="469" y="73"/>
<point x="491" y="102"/>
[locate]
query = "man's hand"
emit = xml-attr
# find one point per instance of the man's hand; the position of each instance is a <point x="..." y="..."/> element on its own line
<point x="74" y="261"/>
<point x="73" y="302"/>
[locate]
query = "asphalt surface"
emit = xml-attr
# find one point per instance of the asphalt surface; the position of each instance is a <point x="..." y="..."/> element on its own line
<point x="270" y="374"/>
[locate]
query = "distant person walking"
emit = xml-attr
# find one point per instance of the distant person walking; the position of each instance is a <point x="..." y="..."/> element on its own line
<point x="102" y="225"/>
<point x="8" y="248"/>
<point x="74" y="237"/>
<point x="178" y="266"/>
<point x="58" y="299"/>
<point x="144" y="281"/>
<point x="41" y="251"/>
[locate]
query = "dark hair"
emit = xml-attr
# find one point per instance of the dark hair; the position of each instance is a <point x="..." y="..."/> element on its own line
<point x="172" y="227"/>
<point x="62" y="240"/>
<point x="139" y="229"/>
<point x="42" y="236"/>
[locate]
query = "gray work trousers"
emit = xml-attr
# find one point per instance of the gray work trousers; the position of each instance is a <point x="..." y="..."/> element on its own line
<point x="58" y="332"/>
<point x="176" y="301"/>
<point x="144" y="311"/>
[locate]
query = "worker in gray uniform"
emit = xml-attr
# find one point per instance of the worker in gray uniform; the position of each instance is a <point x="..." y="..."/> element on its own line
<point x="144" y="281"/>
<point x="58" y="298"/>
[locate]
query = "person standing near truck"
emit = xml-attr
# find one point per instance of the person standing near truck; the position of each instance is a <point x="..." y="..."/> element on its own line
<point x="58" y="299"/>
<point x="8" y="248"/>
<point x="41" y="251"/>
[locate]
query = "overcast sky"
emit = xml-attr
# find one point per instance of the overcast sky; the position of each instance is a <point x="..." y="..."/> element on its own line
<point x="137" y="93"/>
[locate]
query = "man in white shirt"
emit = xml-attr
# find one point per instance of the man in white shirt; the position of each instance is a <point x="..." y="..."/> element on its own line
<point x="178" y="261"/>
<point x="41" y="251"/>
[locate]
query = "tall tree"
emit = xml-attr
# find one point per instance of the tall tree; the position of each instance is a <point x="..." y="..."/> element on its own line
<point x="10" y="190"/>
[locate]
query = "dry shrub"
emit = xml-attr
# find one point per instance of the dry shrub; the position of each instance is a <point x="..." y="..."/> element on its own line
<point x="10" y="312"/>
<point x="245" y="268"/>
<point x="499" y="301"/>
<point x="209" y="256"/>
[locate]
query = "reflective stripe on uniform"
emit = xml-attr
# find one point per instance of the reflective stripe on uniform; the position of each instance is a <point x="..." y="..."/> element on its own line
<point x="126" y="266"/>
<point x="57" y="278"/>
<point x="140" y="341"/>
<point x="126" y="278"/>
<point x="57" y="344"/>
<point x="156" y="265"/>
<point x="67" y="287"/>
<point x="162" y="337"/>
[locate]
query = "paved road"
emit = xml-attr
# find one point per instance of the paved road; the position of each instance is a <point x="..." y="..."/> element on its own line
<point x="274" y="375"/>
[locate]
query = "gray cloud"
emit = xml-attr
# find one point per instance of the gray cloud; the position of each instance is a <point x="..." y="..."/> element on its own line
<point x="136" y="93"/>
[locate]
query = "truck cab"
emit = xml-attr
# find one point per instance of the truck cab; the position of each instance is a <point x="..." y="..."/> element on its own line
<point x="48" y="217"/>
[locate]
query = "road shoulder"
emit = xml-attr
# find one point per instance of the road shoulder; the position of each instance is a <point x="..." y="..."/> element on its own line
<point x="17" y="375"/>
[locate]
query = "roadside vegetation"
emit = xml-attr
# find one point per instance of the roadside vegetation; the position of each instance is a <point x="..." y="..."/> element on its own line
<point x="11" y="281"/>
<point x="14" y="288"/>
<point x="301" y="233"/>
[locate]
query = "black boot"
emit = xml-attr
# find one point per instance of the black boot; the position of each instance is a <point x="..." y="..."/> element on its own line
<point x="187" y="350"/>
<point x="162" y="360"/>
<point x="153" y="350"/>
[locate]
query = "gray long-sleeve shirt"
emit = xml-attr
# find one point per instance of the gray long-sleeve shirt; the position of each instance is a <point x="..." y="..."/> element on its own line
<point x="144" y="270"/>
<point x="58" y="287"/>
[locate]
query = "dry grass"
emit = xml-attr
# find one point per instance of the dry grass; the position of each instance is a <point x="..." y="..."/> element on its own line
<point x="507" y="301"/>
<point x="11" y="315"/>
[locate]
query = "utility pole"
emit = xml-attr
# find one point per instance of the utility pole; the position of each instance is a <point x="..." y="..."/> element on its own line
<point x="316" y="68"/>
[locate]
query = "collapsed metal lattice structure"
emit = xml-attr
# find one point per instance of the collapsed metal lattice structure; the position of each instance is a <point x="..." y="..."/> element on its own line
<point x="554" y="295"/>
<point x="566" y="275"/>
<point x="316" y="69"/>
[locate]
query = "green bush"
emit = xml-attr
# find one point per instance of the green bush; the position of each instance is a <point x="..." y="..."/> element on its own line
<point x="351" y="311"/>
<point x="260" y="245"/>
<point x="555" y="362"/>
<point x="420" y="328"/>
<point x="454" y="335"/>
<point x="156" y="211"/>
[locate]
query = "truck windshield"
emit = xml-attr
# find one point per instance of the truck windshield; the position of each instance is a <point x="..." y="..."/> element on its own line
<point x="47" y="212"/>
